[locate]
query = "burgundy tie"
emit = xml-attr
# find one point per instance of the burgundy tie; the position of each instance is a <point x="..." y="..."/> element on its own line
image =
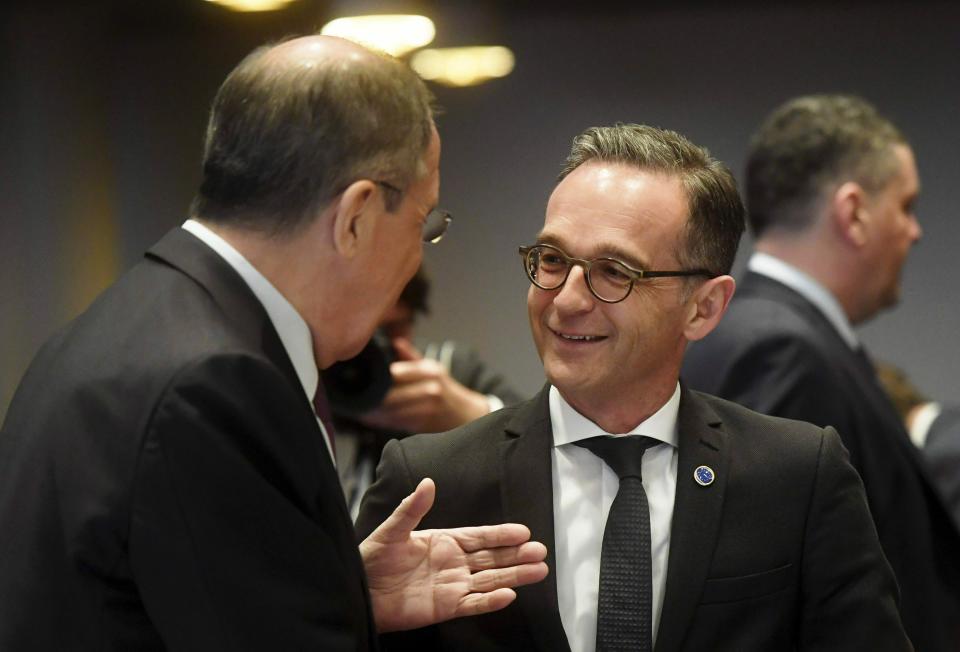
<point x="322" y="409"/>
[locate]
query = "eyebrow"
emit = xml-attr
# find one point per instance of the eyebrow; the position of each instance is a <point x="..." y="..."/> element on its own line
<point x="605" y="250"/>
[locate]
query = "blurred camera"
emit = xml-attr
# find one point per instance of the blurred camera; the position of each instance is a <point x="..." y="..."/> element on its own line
<point x="358" y="385"/>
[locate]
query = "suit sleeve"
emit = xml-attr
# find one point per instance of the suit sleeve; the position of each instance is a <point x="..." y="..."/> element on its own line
<point x="239" y="536"/>
<point x="848" y="589"/>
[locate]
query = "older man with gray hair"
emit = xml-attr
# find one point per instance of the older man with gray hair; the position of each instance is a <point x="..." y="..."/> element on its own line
<point x="167" y="469"/>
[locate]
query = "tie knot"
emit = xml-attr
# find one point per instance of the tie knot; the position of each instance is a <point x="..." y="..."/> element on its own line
<point x="622" y="454"/>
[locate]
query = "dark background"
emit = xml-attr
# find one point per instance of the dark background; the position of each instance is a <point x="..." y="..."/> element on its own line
<point x="104" y="104"/>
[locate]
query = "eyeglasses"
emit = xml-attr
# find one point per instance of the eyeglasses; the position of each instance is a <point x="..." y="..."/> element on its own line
<point x="434" y="225"/>
<point x="608" y="279"/>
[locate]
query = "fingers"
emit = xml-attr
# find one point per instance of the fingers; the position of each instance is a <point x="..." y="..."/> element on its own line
<point x="472" y="539"/>
<point x="405" y="349"/>
<point x="411" y="371"/>
<point x="527" y="553"/>
<point x="408" y="514"/>
<point x="475" y="604"/>
<point x="405" y="393"/>
<point x="499" y="578"/>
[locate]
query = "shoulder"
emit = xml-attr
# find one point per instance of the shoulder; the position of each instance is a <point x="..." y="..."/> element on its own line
<point x="476" y="438"/>
<point x="752" y="316"/>
<point x="765" y="435"/>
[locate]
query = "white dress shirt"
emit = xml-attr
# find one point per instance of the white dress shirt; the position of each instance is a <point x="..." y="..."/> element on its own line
<point x="922" y="420"/>
<point x="583" y="490"/>
<point x="808" y="288"/>
<point x="290" y="326"/>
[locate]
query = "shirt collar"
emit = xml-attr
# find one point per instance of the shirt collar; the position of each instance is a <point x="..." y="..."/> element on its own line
<point x="290" y="326"/>
<point x="570" y="426"/>
<point x="772" y="267"/>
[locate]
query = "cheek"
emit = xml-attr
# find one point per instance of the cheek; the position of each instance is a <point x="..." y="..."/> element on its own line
<point x="534" y="306"/>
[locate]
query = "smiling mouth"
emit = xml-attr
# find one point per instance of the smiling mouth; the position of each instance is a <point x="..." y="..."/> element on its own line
<point x="579" y="338"/>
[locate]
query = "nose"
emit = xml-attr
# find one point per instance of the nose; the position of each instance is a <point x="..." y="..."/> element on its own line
<point x="574" y="295"/>
<point x="916" y="230"/>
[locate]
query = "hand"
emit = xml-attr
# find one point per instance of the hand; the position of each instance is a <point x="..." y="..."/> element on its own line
<point x="424" y="397"/>
<point x="426" y="577"/>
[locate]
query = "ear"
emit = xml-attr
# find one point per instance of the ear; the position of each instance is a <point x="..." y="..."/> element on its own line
<point x="849" y="214"/>
<point x="353" y="217"/>
<point x="707" y="306"/>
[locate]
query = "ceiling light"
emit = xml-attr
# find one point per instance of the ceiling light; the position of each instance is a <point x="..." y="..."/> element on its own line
<point x="252" y="5"/>
<point x="395" y="34"/>
<point x="463" y="66"/>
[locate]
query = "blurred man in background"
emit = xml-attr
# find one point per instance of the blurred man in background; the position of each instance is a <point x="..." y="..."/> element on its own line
<point x="435" y="386"/>
<point x="934" y="428"/>
<point x="831" y="188"/>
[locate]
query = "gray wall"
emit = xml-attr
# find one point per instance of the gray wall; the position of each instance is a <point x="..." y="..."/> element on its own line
<point x="115" y="159"/>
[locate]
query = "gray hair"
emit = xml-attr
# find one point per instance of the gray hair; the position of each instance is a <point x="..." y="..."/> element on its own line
<point x="284" y="139"/>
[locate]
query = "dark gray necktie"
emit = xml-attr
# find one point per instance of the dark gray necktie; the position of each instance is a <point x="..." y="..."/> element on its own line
<point x="624" y="612"/>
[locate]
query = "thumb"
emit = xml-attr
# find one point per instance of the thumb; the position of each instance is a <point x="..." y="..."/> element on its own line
<point x="408" y="514"/>
<point x="405" y="349"/>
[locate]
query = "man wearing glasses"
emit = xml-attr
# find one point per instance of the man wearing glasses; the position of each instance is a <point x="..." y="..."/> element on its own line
<point x="674" y="520"/>
<point x="167" y="474"/>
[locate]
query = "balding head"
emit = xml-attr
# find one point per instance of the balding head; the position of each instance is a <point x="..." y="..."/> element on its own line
<point x="296" y="122"/>
<point x="313" y="50"/>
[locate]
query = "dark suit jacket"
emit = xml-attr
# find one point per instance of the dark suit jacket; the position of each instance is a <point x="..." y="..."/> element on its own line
<point x="776" y="353"/>
<point x="779" y="553"/>
<point x="942" y="452"/>
<point x="164" y="483"/>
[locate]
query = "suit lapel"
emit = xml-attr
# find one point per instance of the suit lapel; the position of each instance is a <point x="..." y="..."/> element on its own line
<point x="696" y="517"/>
<point x="527" y="495"/>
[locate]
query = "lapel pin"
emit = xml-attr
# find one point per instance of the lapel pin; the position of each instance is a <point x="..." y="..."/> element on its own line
<point x="704" y="476"/>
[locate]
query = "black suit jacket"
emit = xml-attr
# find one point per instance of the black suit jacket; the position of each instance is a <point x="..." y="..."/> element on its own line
<point x="776" y="353"/>
<point x="164" y="483"/>
<point x="942" y="452"/>
<point x="779" y="553"/>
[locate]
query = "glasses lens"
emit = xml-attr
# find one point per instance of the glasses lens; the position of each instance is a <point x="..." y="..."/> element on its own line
<point x="435" y="226"/>
<point x="610" y="280"/>
<point x="547" y="267"/>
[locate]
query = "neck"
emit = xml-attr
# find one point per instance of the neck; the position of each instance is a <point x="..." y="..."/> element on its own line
<point x="824" y="260"/>
<point x="292" y="265"/>
<point x="621" y="415"/>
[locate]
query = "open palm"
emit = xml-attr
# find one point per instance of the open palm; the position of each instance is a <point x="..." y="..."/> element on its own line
<point x="418" y="578"/>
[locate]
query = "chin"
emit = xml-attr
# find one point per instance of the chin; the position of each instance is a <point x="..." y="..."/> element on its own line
<point x="562" y="376"/>
<point x="354" y="347"/>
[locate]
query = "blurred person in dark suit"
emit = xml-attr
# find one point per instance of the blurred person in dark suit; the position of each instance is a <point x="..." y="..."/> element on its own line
<point x="674" y="520"/>
<point x="934" y="428"/>
<point x="434" y="386"/>
<point x="831" y="187"/>
<point x="167" y="479"/>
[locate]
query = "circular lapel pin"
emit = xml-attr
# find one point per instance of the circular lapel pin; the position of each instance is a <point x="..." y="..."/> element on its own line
<point x="704" y="476"/>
